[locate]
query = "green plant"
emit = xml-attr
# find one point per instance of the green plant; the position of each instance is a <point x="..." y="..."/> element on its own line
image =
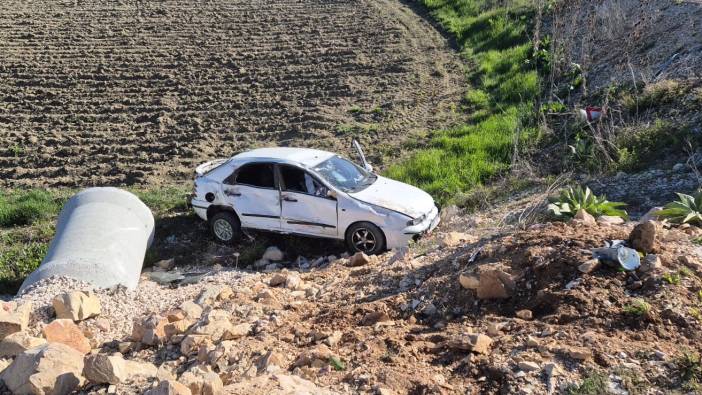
<point x="686" y="272"/>
<point x="337" y="363"/>
<point x="638" y="307"/>
<point x="686" y="210"/>
<point x="571" y="200"/>
<point x="690" y="367"/>
<point x="671" y="278"/>
<point x="16" y="150"/>
<point x="594" y="384"/>
<point x="24" y="207"/>
<point x="355" y="110"/>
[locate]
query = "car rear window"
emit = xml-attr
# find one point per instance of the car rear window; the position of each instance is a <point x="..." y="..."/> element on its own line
<point x="257" y="175"/>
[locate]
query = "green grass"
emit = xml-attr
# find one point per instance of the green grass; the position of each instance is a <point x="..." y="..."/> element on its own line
<point x="638" y="307"/>
<point x="24" y="207"/>
<point x="495" y="41"/>
<point x="594" y="384"/>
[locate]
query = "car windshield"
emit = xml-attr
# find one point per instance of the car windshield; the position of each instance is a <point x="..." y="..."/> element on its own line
<point x="345" y="175"/>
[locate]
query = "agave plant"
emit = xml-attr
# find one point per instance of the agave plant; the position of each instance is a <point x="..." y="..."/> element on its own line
<point x="571" y="200"/>
<point x="686" y="210"/>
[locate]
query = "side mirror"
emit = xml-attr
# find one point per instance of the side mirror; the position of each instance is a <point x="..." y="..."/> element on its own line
<point x="331" y="194"/>
<point x="362" y="156"/>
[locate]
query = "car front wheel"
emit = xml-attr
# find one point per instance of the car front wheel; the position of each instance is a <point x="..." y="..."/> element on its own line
<point x="365" y="237"/>
<point x="225" y="227"/>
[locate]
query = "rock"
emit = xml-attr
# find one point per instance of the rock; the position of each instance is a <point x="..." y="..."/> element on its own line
<point x="333" y="339"/>
<point x="589" y="266"/>
<point x="578" y="353"/>
<point x="475" y="342"/>
<point x="585" y="218"/>
<point x="651" y="262"/>
<point x="651" y="215"/>
<point x="679" y="167"/>
<point x="644" y="237"/>
<point x="317" y="356"/>
<point x="201" y="380"/>
<point x="551" y="369"/>
<point x="218" y="327"/>
<point x="192" y="343"/>
<point x="270" y="362"/>
<point x="18" y="343"/>
<point x="495" y="328"/>
<point x="103" y="369"/>
<point x="528" y="366"/>
<point x="469" y="280"/>
<point x="150" y="330"/>
<point x="524" y="314"/>
<point x="532" y="341"/>
<point x="169" y="387"/>
<point x="66" y="332"/>
<point x="191" y="309"/>
<point x="212" y="293"/>
<point x="14" y="318"/>
<point x="452" y="239"/>
<point x="289" y="280"/>
<point x="261" y="263"/>
<point x="610" y="220"/>
<point x="76" y="305"/>
<point x="375" y="317"/>
<point x="359" y="259"/>
<point x="176" y="327"/>
<point x="52" y="368"/>
<point x="273" y="253"/>
<point x="495" y="284"/>
<point x="165" y="264"/>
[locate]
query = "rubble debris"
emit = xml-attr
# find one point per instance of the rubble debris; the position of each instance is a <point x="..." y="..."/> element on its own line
<point x="52" y="368"/>
<point x="14" y="318"/>
<point x="359" y="259"/>
<point x="76" y="305"/>
<point x="644" y="237"/>
<point x="66" y="332"/>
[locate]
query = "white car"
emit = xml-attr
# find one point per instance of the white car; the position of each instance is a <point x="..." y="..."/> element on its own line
<point x="312" y="193"/>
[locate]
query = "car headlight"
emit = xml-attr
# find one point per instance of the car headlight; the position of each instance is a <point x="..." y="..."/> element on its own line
<point x="417" y="220"/>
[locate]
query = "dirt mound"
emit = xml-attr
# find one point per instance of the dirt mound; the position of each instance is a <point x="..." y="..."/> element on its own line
<point x="94" y="93"/>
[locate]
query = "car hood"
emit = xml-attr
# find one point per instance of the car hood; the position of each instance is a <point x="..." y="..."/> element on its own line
<point x="396" y="196"/>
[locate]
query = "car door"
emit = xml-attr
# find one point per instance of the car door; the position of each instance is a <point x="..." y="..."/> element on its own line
<point x="305" y="206"/>
<point x="254" y="194"/>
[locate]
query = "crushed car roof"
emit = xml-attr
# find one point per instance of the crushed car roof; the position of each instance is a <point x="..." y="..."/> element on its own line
<point x="306" y="156"/>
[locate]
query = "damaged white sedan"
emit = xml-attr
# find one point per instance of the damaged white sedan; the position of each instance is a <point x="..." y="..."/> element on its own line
<point x="312" y="193"/>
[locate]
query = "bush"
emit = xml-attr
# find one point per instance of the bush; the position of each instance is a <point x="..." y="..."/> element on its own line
<point x="19" y="208"/>
<point x="571" y="200"/>
<point x="687" y="210"/>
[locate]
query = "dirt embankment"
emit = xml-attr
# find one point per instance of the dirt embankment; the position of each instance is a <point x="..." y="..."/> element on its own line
<point x="512" y="312"/>
<point x="98" y="92"/>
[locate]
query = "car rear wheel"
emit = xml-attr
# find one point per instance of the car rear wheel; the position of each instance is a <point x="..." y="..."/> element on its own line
<point x="225" y="227"/>
<point x="365" y="237"/>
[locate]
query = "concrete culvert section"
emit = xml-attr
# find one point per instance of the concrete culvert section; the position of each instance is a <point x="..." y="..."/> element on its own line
<point x="102" y="235"/>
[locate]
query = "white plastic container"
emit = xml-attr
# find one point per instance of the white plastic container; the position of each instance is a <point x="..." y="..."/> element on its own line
<point x="102" y="235"/>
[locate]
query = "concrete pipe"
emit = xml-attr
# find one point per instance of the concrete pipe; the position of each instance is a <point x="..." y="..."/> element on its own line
<point x="102" y="235"/>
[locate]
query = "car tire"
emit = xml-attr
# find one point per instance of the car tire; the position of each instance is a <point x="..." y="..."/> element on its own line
<point x="225" y="227"/>
<point x="365" y="237"/>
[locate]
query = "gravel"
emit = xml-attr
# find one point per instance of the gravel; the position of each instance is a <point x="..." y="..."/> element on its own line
<point x="121" y="306"/>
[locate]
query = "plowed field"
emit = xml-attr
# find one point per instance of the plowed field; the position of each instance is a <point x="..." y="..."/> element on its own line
<point x="97" y="92"/>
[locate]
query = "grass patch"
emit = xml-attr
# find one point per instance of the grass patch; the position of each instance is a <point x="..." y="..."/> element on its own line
<point x="639" y="147"/>
<point x="638" y="307"/>
<point x="594" y="384"/>
<point x="689" y="365"/>
<point x="24" y="207"/>
<point x="495" y="39"/>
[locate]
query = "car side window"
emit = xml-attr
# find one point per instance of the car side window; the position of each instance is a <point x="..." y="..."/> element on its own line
<point x="298" y="180"/>
<point x="255" y="174"/>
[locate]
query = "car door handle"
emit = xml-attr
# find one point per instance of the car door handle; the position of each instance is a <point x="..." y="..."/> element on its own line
<point x="289" y="199"/>
<point x="232" y="193"/>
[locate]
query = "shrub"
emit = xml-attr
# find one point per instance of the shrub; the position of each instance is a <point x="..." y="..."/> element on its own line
<point x="638" y="307"/>
<point x="689" y="365"/>
<point x="571" y="200"/>
<point x="686" y="210"/>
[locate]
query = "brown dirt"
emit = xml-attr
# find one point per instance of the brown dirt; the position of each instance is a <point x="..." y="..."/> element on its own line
<point x="97" y="92"/>
<point x="397" y="318"/>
